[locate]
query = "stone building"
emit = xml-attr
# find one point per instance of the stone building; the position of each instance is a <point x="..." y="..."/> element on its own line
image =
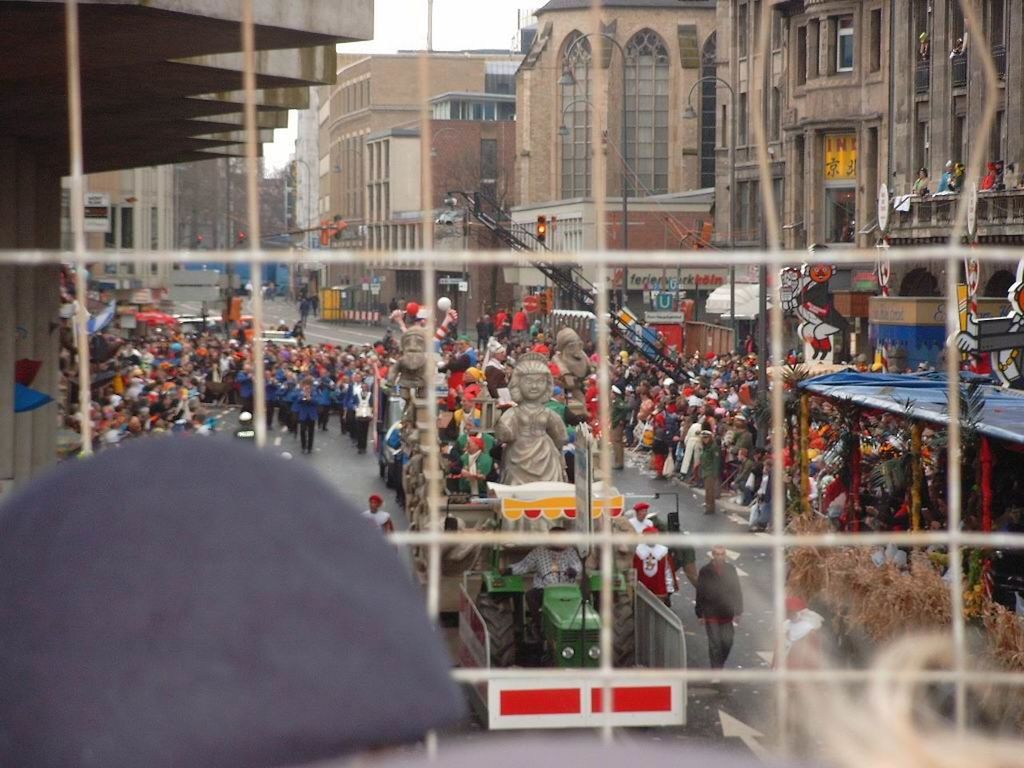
<point x="661" y="50"/>
<point x="938" y="98"/>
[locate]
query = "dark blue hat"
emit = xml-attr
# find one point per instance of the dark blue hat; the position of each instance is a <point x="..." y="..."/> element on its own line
<point x="191" y="602"/>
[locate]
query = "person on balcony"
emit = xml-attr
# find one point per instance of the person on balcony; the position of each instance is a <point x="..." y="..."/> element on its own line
<point x="923" y="47"/>
<point x="946" y="179"/>
<point x="988" y="182"/>
<point x="958" y="48"/>
<point x="921" y="183"/>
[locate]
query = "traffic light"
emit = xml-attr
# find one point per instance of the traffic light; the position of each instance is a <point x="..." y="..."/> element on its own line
<point x="542" y="228"/>
<point x="542" y="302"/>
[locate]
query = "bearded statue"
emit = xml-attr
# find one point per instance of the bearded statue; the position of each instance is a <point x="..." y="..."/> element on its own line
<point x="573" y="365"/>
<point x="409" y="372"/>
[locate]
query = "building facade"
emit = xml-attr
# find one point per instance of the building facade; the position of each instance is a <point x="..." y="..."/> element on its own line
<point x="661" y="44"/>
<point x="371" y="161"/>
<point x="938" y="99"/>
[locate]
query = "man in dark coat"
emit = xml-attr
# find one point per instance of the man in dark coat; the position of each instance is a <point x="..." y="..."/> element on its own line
<point x="719" y="602"/>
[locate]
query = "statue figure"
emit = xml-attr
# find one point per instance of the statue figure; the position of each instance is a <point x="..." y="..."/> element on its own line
<point x="409" y="372"/>
<point x="574" y="367"/>
<point x="533" y="434"/>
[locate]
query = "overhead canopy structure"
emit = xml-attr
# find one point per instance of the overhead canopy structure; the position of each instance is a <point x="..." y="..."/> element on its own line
<point x="162" y="79"/>
<point x="747" y="301"/>
<point x="1002" y="415"/>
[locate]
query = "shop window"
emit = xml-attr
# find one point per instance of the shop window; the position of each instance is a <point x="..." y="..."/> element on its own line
<point x="840" y="214"/>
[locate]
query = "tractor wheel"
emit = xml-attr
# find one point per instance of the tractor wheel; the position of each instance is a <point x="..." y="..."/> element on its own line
<point x="624" y="630"/>
<point x="500" y="620"/>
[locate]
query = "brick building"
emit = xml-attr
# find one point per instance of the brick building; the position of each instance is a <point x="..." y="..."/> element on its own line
<point x="371" y="160"/>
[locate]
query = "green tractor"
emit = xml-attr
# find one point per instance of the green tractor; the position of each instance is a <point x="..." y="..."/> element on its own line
<point x="570" y="626"/>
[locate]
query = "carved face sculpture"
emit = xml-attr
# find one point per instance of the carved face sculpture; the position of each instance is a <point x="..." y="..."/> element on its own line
<point x="414" y="350"/>
<point x="532" y="380"/>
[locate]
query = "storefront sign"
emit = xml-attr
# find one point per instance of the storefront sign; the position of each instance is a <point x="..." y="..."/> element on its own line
<point x="684" y="280"/>
<point x="664" y="317"/>
<point x="841" y="157"/>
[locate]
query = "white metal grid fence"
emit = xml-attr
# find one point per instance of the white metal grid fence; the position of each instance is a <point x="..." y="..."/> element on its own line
<point x="780" y="541"/>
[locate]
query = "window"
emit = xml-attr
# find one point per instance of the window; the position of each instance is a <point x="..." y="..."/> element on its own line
<point x="995" y="147"/>
<point x="110" y="237"/>
<point x="801" y="55"/>
<point x="813" y="48"/>
<point x="741" y="121"/>
<point x="741" y="30"/>
<point x="875" y="62"/>
<point x="844" y="44"/>
<point x="708" y="105"/>
<point x="488" y="159"/>
<point x="127" y="227"/>
<point x="154" y="229"/>
<point x="647" y="93"/>
<point x="776" y="124"/>
<point x="840" y="214"/>
<point x="575" y="108"/>
<point x="778" y="30"/>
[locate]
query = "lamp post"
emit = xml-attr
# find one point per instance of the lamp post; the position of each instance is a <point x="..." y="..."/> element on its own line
<point x="568" y="79"/>
<point x="691" y="114"/>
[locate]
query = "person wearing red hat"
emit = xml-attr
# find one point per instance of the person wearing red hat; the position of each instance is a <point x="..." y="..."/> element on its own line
<point x="641" y="517"/>
<point x="379" y="517"/>
<point x="656" y="569"/>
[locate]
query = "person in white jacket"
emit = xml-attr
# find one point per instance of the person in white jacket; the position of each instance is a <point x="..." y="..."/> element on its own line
<point x="691" y="456"/>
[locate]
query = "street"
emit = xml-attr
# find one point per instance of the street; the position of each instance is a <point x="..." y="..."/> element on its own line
<point x="356" y="477"/>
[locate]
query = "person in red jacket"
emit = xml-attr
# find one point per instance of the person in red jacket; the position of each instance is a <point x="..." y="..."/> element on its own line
<point x="520" y="325"/>
<point x="656" y="568"/>
<point x="501" y="324"/>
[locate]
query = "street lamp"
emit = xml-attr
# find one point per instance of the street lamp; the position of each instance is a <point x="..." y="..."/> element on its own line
<point x="690" y="114"/>
<point x="568" y="79"/>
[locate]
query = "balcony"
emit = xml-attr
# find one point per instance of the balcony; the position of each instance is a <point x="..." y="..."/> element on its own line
<point x="922" y="76"/>
<point x="1000" y="216"/>
<point x="959" y="67"/>
<point x="999" y="59"/>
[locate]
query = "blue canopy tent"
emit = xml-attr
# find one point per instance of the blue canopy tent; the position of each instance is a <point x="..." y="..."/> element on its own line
<point x="1002" y="415"/>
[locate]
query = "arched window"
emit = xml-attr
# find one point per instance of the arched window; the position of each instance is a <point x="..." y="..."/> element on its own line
<point x="575" y="107"/>
<point x="919" y="282"/>
<point x="998" y="286"/>
<point x="647" y="113"/>
<point x="708" y="113"/>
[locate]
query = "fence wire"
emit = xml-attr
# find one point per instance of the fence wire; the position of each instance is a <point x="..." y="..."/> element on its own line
<point x="435" y="539"/>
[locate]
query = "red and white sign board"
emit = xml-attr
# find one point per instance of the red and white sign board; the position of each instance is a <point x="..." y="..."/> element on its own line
<point x="547" y="701"/>
<point x="552" y="702"/>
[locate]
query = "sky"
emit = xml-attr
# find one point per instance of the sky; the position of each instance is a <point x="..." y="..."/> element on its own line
<point x="402" y="25"/>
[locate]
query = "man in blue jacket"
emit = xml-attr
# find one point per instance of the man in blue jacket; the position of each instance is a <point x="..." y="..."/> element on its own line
<point x="306" y="410"/>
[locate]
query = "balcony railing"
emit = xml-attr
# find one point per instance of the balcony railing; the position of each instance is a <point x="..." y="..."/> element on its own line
<point x="922" y="76"/>
<point x="999" y="59"/>
<point x="959" y="67"/>
<point x="998" y="214"/>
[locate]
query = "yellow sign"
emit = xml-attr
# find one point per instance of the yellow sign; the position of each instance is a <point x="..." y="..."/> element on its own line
<point x="841" y="157"/>
<point x="555" y="507"/>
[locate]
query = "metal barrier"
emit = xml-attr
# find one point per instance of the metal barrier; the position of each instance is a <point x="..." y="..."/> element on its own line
<point x="660" y="641"/>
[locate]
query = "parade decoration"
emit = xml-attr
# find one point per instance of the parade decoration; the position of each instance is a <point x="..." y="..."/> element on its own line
<point x="444" y="304"/>
<point x="1002" y="337"/>
<point x="804" y="293"/>
<point x="533" y="434"/>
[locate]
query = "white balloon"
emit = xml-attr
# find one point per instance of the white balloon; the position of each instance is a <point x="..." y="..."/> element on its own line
<point x="444" y="303"/>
